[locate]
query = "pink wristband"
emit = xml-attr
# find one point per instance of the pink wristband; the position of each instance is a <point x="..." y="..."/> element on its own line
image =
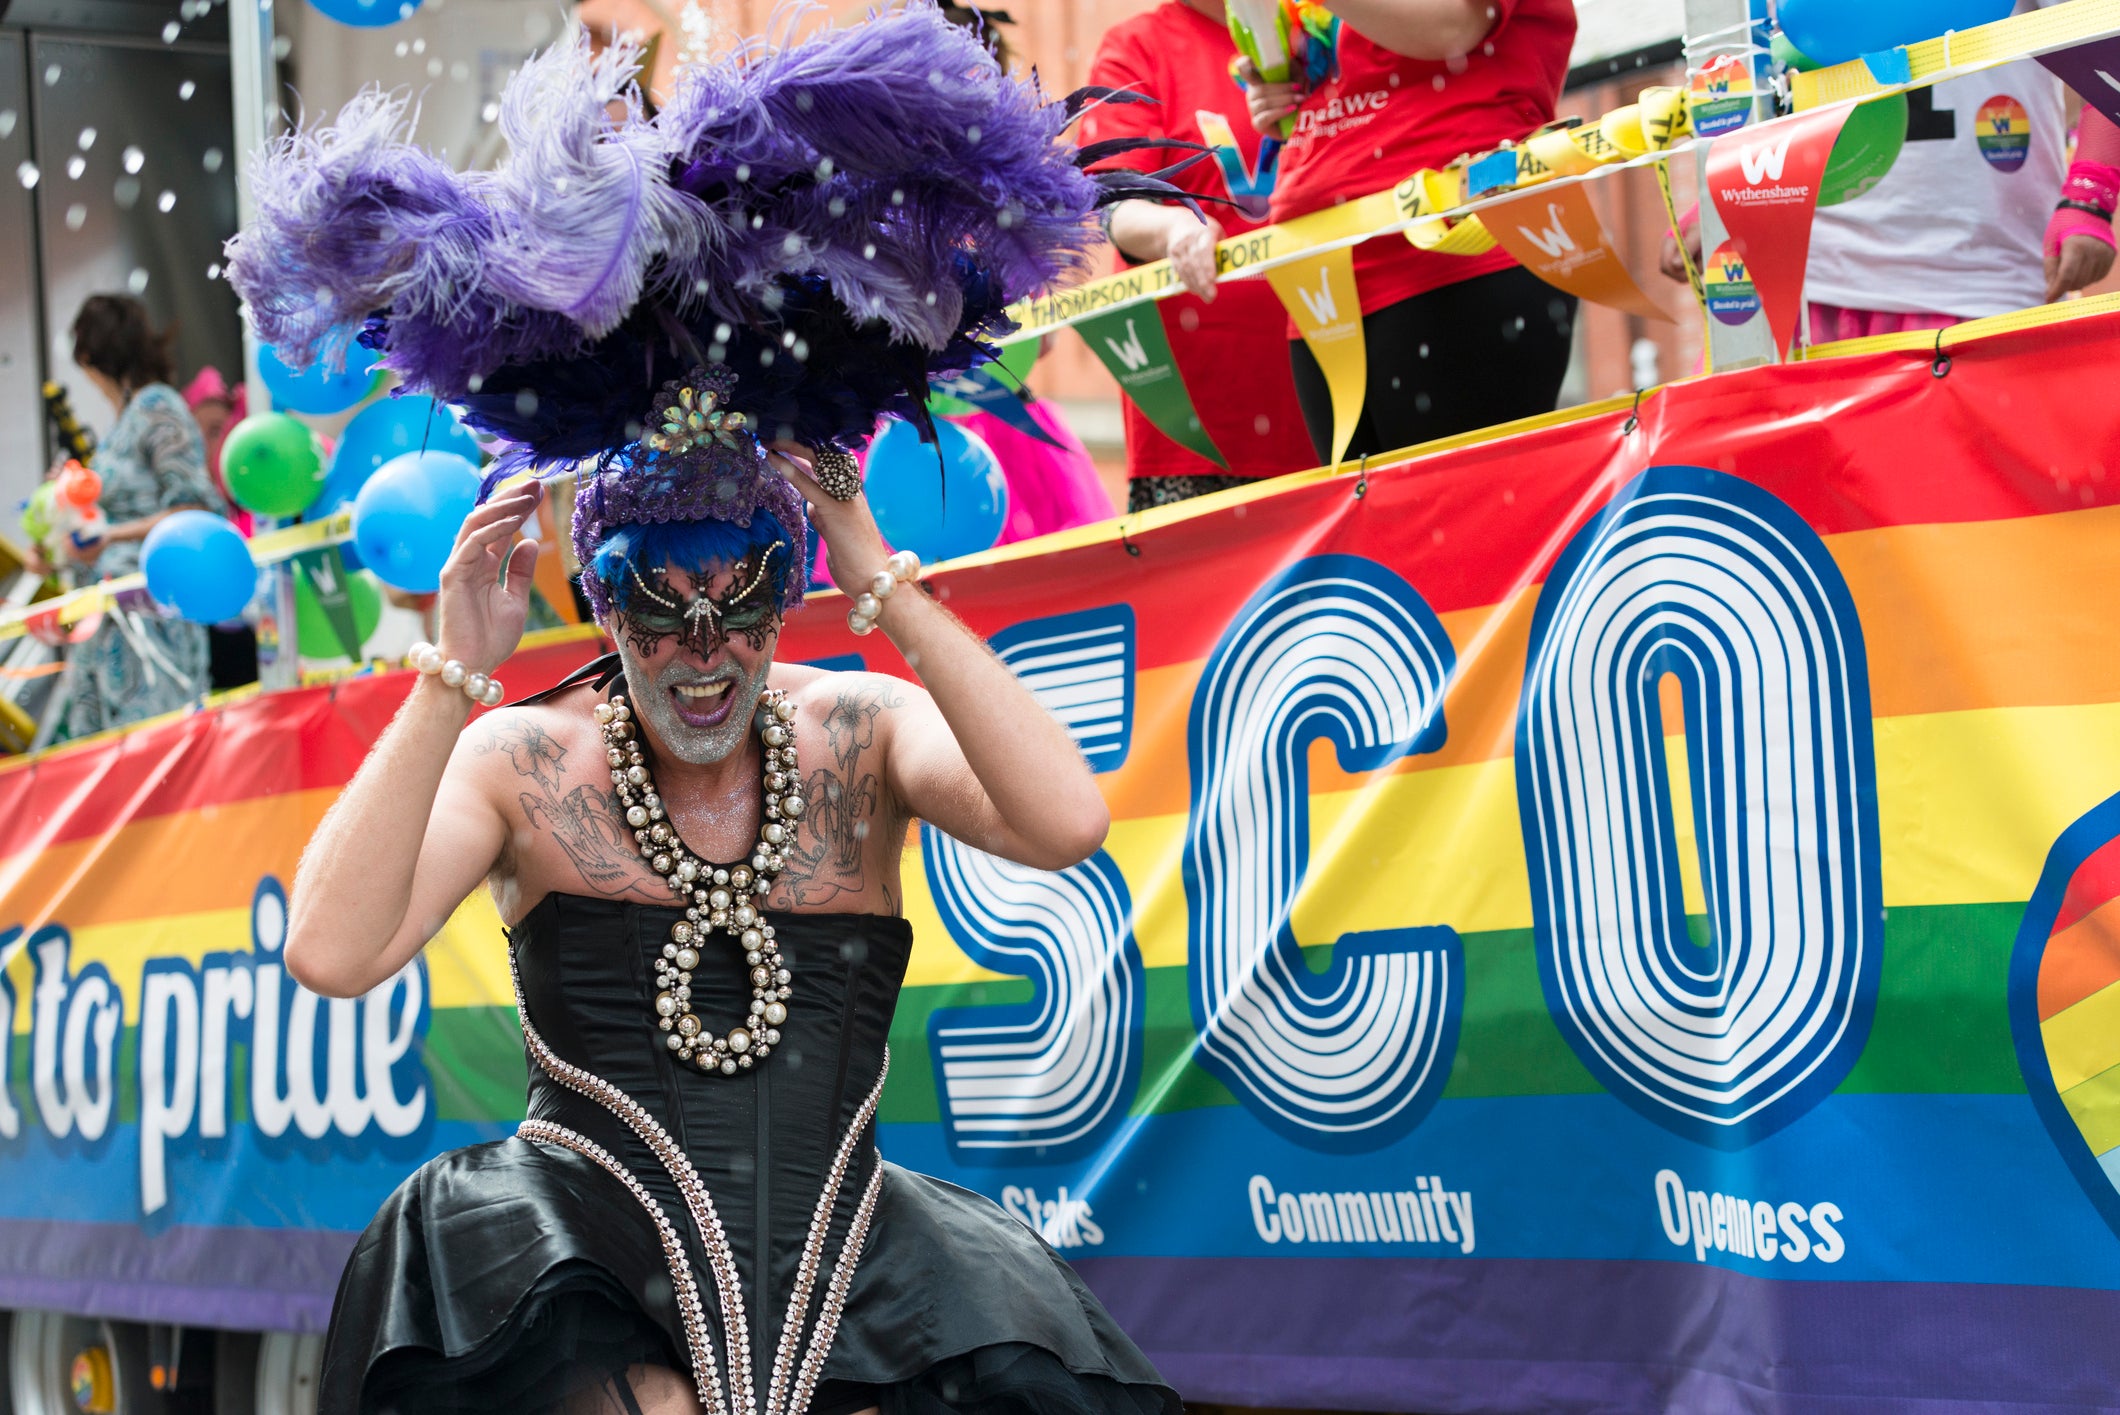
<point x="2092" y="183"/>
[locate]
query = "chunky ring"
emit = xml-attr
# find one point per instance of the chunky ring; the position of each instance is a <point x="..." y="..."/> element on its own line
<point x="486" y="692"/>
<point x="836" y="473"/>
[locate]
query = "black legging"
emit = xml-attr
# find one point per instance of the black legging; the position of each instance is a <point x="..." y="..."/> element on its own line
<point x="1467" y="356"/>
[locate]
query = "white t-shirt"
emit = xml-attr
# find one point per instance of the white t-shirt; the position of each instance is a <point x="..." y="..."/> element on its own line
<point x="1958" y="226"/>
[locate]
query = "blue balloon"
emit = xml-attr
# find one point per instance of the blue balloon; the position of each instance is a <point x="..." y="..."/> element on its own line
<point x="383" y="431"/>
<point x="1835" y="31"/>
<point x="367" y="14"/>
<point x="938" y="514"/>
<point x="318" y="391"/>
<point x="406" y="518"/>
<point x="197" y="563"/>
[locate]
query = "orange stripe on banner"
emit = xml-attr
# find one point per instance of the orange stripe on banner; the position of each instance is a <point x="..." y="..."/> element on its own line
<point x="2023" y="601"/>
<point x="1988" y="613"/>
<point x="2080" y="960"/>
<point x="174" y="864"/>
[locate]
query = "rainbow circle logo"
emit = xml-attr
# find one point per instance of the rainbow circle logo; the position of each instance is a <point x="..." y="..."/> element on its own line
<point x="2004" y="131"/>
<point x="1732" y="297"/>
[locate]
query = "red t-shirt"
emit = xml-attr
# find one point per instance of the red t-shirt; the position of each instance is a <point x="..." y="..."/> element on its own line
<point x="1233" y="353"/>
<point x="1381" y="117"/>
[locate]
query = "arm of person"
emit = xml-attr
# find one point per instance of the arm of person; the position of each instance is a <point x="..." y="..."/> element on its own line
<point x="974" y="754"/>
<point x="416" y="830"/>
<point x="2079" y="238"/>
<point x="1145" y="231"/>
<point x="1436" y="30"/>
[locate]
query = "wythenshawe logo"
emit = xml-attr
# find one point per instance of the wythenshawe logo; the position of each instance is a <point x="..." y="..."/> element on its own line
<point x="1762" y="164"/>
<point x="1426" y="1213"/>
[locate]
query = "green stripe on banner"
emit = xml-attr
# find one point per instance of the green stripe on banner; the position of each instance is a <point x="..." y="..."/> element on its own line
<point x="1134" y="347"/>
<point x="1941" y="1025"/>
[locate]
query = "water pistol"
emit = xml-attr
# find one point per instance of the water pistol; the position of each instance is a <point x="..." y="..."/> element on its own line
<point x="70" y="510"/>
<point x="1287" y="41"/>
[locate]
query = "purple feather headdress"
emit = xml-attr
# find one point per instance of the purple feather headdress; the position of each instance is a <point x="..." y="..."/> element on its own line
<point x="826" y="224"/>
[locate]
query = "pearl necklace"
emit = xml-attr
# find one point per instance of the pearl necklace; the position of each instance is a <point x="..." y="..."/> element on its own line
<point x="721" y="897"/>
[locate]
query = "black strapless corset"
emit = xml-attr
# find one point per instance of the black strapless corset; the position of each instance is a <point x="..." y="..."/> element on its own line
<point x="644" y="1201"/>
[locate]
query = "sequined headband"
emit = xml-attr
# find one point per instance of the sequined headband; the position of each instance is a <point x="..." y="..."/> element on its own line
<point x="700" y="461"/>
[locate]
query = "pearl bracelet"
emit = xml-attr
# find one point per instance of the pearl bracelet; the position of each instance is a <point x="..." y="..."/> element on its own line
<point x="901" y="569"/>
<point x="476" y="686"/>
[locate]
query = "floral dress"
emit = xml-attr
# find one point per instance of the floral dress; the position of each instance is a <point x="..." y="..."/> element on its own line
<point x="138" y="665"/>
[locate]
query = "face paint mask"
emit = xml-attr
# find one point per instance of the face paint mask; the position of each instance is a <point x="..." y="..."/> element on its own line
<point x="702" y="623"/>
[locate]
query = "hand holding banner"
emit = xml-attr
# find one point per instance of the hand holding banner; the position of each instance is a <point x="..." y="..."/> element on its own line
<point x="1765" y="182"/>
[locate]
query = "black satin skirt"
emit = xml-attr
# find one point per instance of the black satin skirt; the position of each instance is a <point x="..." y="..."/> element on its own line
<point x="507" y="1278"/>
<point x="524" y="1276"/>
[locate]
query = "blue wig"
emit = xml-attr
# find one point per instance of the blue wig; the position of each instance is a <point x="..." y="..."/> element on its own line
<point x="701" y="549"/>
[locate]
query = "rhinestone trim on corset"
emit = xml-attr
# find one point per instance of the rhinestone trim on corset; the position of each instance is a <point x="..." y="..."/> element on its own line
<point x="706" y="1376"/>
<point x="721" y="1257"/>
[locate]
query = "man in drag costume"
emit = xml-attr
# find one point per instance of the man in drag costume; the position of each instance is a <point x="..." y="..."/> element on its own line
<point x="696" y="848"/>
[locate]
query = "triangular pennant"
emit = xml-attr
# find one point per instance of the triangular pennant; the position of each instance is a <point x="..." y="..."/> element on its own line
<point x="2093" y="71"/>
<point x="982" y="390"/>
<point x="1765" y="181"/>
<point x="324" y="575"/>
<point x="1320" y="296"/>
<point x="1132" y="344"/>
<point x="1556" y="234"/>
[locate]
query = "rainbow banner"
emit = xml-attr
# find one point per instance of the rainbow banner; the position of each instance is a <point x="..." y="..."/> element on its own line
<point x="1620" y="916"/>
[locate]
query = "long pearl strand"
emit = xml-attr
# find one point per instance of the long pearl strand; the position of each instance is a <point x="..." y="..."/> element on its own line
<point x="720" y="897"/>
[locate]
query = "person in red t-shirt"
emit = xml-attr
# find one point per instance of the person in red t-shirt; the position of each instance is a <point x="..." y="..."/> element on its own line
<point x="1227" y="339"/>
<point x="1454" y="342"/>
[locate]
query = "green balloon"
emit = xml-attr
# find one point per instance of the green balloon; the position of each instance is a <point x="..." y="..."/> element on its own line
<point x="1869" y="144"/>
<point x="317" y="638"/>
<point x="1790" y="57"/>
<point x="271" y="465"/>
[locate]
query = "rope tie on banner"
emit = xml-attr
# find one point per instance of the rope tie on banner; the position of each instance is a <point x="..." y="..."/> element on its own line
<point x="1361" y="486"/>
<point x="1634" y="416"/>
<point x="1128" y="541"/>
<point x="1940" y="365"/>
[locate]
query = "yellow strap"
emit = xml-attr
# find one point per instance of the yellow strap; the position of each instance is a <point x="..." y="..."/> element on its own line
<point x="2004" y="41"/>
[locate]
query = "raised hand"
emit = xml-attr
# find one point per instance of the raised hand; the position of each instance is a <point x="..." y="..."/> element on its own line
<point x="847" y="528"/>
<point x="485" y="593"/>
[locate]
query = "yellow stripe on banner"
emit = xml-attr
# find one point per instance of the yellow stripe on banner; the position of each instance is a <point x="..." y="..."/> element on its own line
<point x="2018" y="37"/>
<point x="2083" y="1041"/>
<point x="1969" y="801"/>
<point x="1969" y="804"/>
<point x="2095" y="1107"/>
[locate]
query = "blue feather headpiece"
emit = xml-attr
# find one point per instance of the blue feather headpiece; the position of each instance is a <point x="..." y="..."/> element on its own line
<point x="825" y="225"/>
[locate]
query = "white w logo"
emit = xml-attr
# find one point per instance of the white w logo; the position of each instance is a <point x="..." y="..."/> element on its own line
<point x="1129" y="353"/>
<point x="1323" y="308"/>
<point x="1553" y="239"/>
<point x="1764" y="161"/>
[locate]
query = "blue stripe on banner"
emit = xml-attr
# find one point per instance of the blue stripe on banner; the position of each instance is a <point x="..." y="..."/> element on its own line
<point x="244" y="1181"/>
<point x="1940" y="1188"/>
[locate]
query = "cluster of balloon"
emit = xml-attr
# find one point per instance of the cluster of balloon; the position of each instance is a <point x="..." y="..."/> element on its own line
<point x="383" y="431"/>
<point x="198" y="564"/>
<point x="960" y="512"/>
<point x="1836" y="31"/>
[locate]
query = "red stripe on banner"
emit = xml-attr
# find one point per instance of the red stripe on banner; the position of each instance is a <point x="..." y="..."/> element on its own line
<point x="1472" y="526"/>
<point x="262" y="746"/>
